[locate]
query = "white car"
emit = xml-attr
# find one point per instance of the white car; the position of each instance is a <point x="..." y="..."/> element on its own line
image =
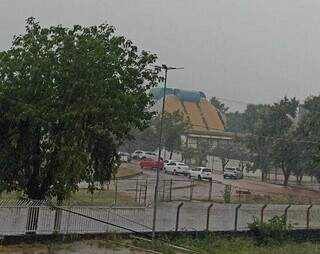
<point x="176" y="168"/>
<point x="137" y="155"/>
<point x="124" y="157"/>
<point x="168" y="161"/>
<point x="150" y="155"/>
<point x="141" y="155"/>
<point x="232" y="173"/>
<point x="201" y="173"/>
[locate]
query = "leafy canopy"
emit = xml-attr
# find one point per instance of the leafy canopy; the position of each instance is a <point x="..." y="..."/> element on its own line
<point x="68" y="99"/>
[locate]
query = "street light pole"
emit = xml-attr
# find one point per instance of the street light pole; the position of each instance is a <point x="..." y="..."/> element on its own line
<point x="156" y="189"/>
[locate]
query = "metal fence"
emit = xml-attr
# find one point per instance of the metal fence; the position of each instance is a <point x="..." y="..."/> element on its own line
<point x="31" y="217"/>
<point x="141" y="191"/>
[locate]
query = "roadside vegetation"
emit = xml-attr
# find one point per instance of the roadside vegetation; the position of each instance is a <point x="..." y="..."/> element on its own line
<point x="230" y="245"/>
<point x="211" y="244"/>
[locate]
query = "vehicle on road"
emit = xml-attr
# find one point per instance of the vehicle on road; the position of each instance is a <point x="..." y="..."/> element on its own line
<point x="151" y="164"/>
<point x="232" y="173"/>
<point x="124" y="157"/>
<point x="201" y="173"/>
<point x="140" y="155"/>
<point x="176" y="168"/>
<point x="150" y="155"/>
<point x="168" y="161"/>
<point x="137" y="155"/>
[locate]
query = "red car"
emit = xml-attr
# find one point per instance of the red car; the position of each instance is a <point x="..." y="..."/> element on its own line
<point x="152" y="164"/>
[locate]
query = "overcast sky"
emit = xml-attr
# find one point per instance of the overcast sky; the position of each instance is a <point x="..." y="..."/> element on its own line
<point x="245" y="50"/>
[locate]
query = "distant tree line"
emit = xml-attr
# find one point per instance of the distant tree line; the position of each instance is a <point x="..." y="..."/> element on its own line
<point x="283" y="136"/>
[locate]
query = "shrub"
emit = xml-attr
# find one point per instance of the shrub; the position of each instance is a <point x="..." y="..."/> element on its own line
<point x="275" y="231"/>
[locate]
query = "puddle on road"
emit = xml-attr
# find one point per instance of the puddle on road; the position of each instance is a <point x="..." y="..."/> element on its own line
<point x="83" y="247"/>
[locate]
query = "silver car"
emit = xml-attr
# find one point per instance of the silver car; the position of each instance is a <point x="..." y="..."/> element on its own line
<point x="232" y="173"/>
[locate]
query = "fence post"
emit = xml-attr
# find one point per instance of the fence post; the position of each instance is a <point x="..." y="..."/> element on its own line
<point x="262" y="212"/>
<point x="140" y="194"/>
<point x="286" y="213"/>
<point x="57" y="220"/>
<point x="163" y="190"/>
<point x="137" y="183"/>
<point x="236" y="218"/>
<point x="178" y="215"/>
<point x="116" y="191"/>
<point x="208" y="216"/>
<point x="68" y="222"/>
<point x="170" y="193"/>
<point x="145" y="192"/>
<point x="308" y="216"/>
<point x="191" y="189"/>
<point x="210" y="189"/>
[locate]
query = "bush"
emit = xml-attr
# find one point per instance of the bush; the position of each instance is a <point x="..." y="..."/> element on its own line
<point x="275" y="231"/>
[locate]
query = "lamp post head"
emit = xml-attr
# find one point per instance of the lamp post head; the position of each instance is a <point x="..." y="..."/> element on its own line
<point x="164" y="67"/>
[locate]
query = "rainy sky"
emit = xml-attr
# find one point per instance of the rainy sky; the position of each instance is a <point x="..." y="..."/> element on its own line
<point x="248" y="51"/>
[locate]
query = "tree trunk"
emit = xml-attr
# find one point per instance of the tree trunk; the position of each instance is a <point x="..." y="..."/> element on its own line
<point x="263" y="176"/>
<point x="224" y="163"/>
<point x="171" y="153"/>
<point x="286" y="176"/>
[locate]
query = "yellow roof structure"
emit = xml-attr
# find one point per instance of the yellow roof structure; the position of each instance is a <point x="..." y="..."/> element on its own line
<point x="201" y="115"/>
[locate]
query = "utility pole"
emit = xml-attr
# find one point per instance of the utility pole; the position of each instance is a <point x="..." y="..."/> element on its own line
<point x="156" y="189"/>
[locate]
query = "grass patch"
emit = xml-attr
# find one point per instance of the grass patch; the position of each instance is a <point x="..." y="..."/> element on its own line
<point x="127" y="170"/>
<point x="84" y="198"/>
<point x="100" y="198"/>
<point x="224" y="245"/>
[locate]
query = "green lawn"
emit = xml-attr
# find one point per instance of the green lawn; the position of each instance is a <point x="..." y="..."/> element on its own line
<point x="100" y="198"/>
<point x="127" y="170"/>
<point x="84" y="197"/>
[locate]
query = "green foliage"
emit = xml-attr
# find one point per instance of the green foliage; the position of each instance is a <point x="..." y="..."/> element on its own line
<point x="146" y="139"/>
<point x="272" y="138"/>
<point x="197" y="156"/>
<point x="227" y="193"/>
<point x="275" y="231"/>
<point x="309" y="129"/>
<point x="215" y="244"/>
<point x="245" y="122"/>
<point x="173" y="127"/>
<point x="219" y="105"/>
<point x="68" y="99"/>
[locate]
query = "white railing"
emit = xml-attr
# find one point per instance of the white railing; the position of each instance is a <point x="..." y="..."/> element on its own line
<point x="39" y="218"/>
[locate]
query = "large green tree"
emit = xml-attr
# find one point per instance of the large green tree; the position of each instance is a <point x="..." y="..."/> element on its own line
<point x="272" y="140"/>
<point x="68" y="99"/>
<point x="308" y="130"/>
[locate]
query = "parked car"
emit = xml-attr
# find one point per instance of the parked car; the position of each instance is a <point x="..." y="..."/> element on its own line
<point x="137" y="155"/>
<point x="232" y="173"/>
<point x="124" y="157"/>
<point x="168" y="161"/>
<point x="201" y="173"/>
<point x="151" y="164"/>
<point x="149" y="155"/>
<point x="140" y="155"/>
<point x="176" y="168"/>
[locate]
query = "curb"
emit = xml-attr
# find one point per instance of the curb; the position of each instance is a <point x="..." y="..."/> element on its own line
<point x="129" y="176"/>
